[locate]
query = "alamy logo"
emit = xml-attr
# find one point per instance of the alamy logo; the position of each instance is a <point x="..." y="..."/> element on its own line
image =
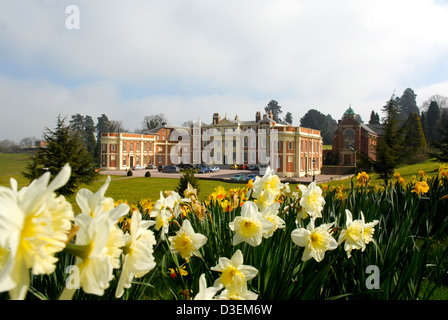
<point x="72" y="22"/>
<point x="213" y="146"/>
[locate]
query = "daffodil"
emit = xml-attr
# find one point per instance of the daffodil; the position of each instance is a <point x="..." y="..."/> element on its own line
<point x="368" y="230"/>
<point x="138" y="257"/>
<point x="94" y="203"/>
<point x="270" y="182"/>
<point x="234" y="274"/>
<point x="266" y="189"/>
<point x="312" y="200"/>
<point x="162" y="212"/>
<point x="250" y="226"/>
<point x="420" y="187"/>
<point x="34" y="224"/>
<point x="353" y="234"/>
<point x="363" y="178"/>
<point x="98" y="247"/>
<point x="271" y="214"/>
<point x="241" y="294"/>
<point x="315" y="240"/>
<point x="206" y="293"/>
<point x="219" y="194"/>
<point x="186" y="242"/>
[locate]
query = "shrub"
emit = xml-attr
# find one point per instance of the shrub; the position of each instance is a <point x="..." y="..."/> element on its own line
<point x="148" y="174"/>
<point x="130" y="173"/>
<point x="187" y="177"/>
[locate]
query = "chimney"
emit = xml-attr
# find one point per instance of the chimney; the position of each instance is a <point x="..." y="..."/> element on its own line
<point x="258" y="116"/>
<point x="271" y="115"/>
<point x="216" y="118"/>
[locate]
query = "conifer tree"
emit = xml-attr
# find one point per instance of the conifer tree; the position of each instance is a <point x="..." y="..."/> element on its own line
<point x="63" y="146"/>
<point x="187" y="177"/>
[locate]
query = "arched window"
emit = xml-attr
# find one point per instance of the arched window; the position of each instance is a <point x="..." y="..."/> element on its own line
<point x="349" y="138"/>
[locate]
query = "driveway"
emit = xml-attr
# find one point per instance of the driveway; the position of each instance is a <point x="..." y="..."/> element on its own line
<point x="223" y="174"/>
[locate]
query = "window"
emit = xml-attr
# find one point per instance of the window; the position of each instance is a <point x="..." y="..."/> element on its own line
<point x="124" y="147"/>
<point x="112" y="147"/>
<point x="132" y="146"/>
<point x="124" y="160"/>
<point x="290" y="145"/>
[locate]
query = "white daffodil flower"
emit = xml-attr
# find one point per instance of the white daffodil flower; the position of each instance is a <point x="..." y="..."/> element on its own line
<point x="312" y="200"/>
<point x="34" y="224"/>
<point x="138" y="257"/>
<point x="315" y="240"/>
<point x="271" y="214"/>
<point x="186" y="242"/>
<point x="250" y="226"/>
<point x="206" y="293"/>
<point x="234" y="274"/>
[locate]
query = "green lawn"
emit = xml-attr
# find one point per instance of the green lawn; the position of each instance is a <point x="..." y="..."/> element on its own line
<point x="135" y="189"/>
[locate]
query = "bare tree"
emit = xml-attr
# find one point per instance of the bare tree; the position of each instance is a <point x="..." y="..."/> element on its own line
<point x="153" y="121"/>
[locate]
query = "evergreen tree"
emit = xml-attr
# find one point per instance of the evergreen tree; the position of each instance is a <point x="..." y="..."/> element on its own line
<point x="101" y="127"/>
<point x="63" y="146"/>
<point x="187" y="177"/>
<point x="407" y="104"/>
<point x="374" y="118"/>
<point x="275" y="108"/>
<point x="288" y="117"/>
<point x="432" y="119"/>
<point x="414" y="138"/>
<point x="389" y="152"/>
<point x="441" y="145"/>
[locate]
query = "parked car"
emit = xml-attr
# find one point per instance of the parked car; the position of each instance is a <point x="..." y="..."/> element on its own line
<point x="234" y="167"/>
<point x="214" y="169"/>
<point x="150" y="166"/>
<point x="253" y="168"/>
<point x="160" y="168"/>
<point x="204" y="170"/>
<point x="171" y="169"/>
<point x="138" y="167"/>
<point x="185" y="166"/>
<point x="238" y="177"/>
<point x="243" y="167"/>
<point x="251" y="176"/>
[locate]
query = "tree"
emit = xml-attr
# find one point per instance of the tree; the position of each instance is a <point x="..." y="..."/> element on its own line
<point x="441" y="146"/>
<point x="275" y="108"/>
<point x="389" y="152"/>
<point x="102" y="126"/>
<point x="432" y="121"/>
<point x="414" y="138"/>
<point x="374" y="118"/>
<point x="407" y="104"/>
<point x="316" y="120"/>
<point x="442" y="102"/>
<point x="288" y="117"/>
<point x="63" y="146"/>
<point x="187" y="177"/>
<point x="153" y="121"/>
<point x="85" y="127"/>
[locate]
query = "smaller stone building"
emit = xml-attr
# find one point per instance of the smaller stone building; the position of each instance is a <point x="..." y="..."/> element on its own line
<point x="353" y="136"/>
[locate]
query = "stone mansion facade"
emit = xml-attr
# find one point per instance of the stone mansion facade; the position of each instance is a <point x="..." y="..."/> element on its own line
<point x="292" y="151"/>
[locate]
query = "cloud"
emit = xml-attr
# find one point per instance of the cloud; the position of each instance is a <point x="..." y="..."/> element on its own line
<point x="190" y="59"/>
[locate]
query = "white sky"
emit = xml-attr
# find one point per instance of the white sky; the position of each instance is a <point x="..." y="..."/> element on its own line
<point x="189" y="59"/>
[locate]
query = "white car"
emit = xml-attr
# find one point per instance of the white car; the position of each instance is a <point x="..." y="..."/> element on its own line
<point x="138" y="167"/>
<point x="214" y="169"/>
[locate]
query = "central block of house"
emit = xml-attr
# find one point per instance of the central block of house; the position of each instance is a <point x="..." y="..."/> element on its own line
<point x="292" y="151"/>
